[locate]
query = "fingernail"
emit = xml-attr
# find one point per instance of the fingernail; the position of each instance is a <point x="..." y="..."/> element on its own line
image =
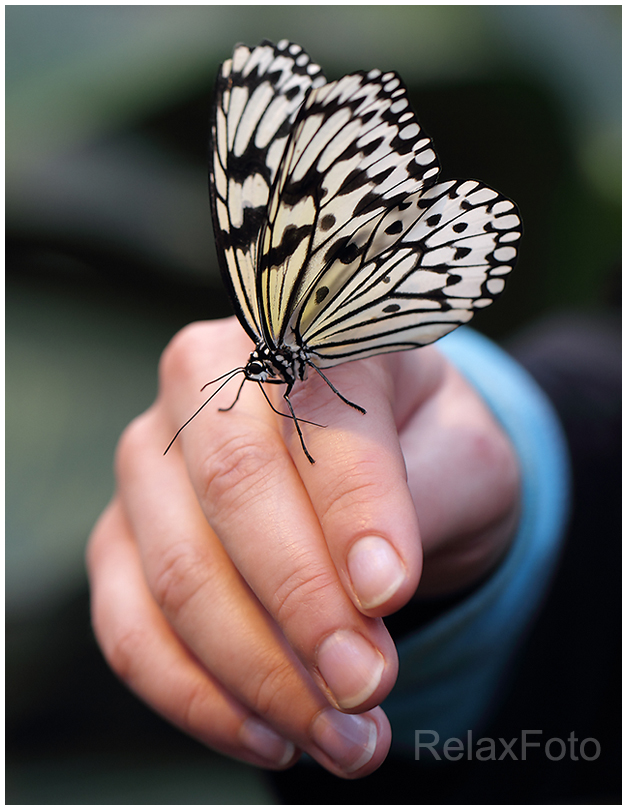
<point x="376" y="571"/>
<point x="349" y="740"/>
<point x="265" y="742"/>
<point x="350" y="666"/>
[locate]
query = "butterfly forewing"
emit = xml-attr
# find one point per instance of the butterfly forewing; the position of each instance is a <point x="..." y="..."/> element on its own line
<point x="356" y="149"/>
<point x="258" y="95"/>
<point x="336" y="240"/>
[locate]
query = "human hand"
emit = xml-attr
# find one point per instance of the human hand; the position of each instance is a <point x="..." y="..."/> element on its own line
<point x="238" y="589"/>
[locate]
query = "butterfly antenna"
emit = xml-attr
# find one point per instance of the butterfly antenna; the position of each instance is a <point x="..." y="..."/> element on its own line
<point x="230" y="375"/>
<point x="226" y="374"/>
<point x="335" y="390"/>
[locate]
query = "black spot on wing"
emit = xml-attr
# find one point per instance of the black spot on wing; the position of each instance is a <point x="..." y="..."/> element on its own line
<point x="371" y="147"/>
<point x="453" y="278"/>
<point x="342" y="251"/>
<point x="290" y="241"/>
<point x="395" y="227"/>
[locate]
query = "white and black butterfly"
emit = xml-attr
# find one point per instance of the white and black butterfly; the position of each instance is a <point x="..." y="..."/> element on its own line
<point x="335" y="240"/>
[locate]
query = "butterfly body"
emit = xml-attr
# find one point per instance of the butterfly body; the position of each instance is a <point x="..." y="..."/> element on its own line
<point x="278" y="365"/>
<point x="336" y="239"/>
<point x="284" y="365"/>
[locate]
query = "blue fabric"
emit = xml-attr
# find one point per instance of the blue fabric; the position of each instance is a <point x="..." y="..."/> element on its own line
<point x="451" y="670"/>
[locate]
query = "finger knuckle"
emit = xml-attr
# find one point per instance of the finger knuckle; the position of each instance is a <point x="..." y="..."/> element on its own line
<point x="362" y="485"/>
<point x="131" y="442"/>
<point x="180" y="574"/>
<point x="179" y="359"/>
<point x="494" y="465"/>
<point x="193" y="700"/>
<point x="242" y="465"/>
<point x="268" y="693"/>
<point x="299" y="591"/>
<point x="122" y="650"/>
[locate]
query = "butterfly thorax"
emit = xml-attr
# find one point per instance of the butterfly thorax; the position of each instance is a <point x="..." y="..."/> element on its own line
<point x="284" y="363"/>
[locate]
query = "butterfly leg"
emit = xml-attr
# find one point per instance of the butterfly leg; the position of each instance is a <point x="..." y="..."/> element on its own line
<point x="281" y="414"/>
<point x="335" y="390"/>
<point x="286" y="397"/>
<point x="237" y="397"/>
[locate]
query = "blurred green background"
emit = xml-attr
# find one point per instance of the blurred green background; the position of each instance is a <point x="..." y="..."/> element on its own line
<point x="110" y="252"/>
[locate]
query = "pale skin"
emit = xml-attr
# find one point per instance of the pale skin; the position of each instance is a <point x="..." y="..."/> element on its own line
<point x="238" y="589"/>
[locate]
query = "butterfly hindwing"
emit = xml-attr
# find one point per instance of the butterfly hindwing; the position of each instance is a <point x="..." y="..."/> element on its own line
<point x="432" y="261"/>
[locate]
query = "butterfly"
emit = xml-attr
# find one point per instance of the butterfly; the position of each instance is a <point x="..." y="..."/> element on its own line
<point x="335" y="238"/>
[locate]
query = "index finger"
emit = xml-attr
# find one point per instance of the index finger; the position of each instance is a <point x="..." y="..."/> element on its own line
<point x="258" y="506"/>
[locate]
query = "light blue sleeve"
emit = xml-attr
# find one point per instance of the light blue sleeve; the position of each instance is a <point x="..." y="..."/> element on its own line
<point x="451" y="669"/>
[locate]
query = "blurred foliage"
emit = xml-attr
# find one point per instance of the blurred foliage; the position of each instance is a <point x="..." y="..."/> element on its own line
<point x="110" y="251"/>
